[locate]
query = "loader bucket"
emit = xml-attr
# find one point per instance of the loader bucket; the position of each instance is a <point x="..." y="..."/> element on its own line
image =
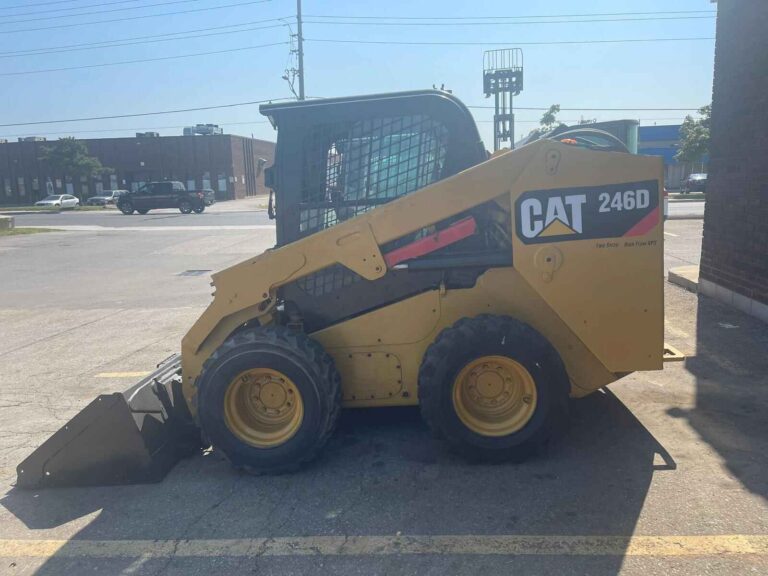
<point x="130" y="438"/>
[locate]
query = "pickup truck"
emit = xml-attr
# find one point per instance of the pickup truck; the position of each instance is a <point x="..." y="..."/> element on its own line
<point x="154" y="195"/>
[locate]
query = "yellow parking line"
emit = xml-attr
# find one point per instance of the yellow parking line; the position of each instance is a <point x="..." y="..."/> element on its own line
<point x="718" y="545"/>
<point x="122" y="374"/>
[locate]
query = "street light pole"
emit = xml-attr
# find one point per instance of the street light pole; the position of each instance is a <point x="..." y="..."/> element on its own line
<point x="300" y="44"/>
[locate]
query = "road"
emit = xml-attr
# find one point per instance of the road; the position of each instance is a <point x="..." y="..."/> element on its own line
<point x="686" y="209"/>
<point x="663" y="474"/>
<point x="157" y="218"/>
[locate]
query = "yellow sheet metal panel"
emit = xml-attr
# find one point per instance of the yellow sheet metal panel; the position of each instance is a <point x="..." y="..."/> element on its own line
<point x="588" y="237"/>
<point x="499" y="291"/>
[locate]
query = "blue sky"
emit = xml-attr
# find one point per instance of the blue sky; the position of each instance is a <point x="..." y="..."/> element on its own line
<point x="642" y="75"/>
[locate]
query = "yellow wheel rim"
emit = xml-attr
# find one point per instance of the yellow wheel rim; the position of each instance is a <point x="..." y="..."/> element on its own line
<point x="494" y="396"/>
<point x="263" y="407"/>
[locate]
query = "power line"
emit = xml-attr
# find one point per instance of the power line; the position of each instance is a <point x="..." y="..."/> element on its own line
<point x="140" y="40"/>
<point x="125" y="19"/>
<point x="507" y="23"/>
<point x="254" y="102"/>
<point x="138" y="114"/>
<point x="26" y="5"/>
<point x="553" y="43"/>
<point x="178" y="56"/>
<point x="127" y="129"/>
<point x="90" y="13"/>
<point x="64" y="9"/>
<point x="590" y="14"/>
<point x="601" y="109"/>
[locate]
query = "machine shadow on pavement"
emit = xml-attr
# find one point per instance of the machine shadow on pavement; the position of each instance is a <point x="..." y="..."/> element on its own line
<point x="731" y="370"/>
<point x="381" y="474"/>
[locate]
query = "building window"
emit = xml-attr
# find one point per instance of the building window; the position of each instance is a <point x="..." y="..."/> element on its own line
<point x="85" y="190"/>
<point x="222" y="183"/>
<point x="35" y="184"/>
<point x="22" y="186"/>
<point x="190" y="184"/>
<point x="99" y="188"/>
<point x="206" y="180"/>
<point x="7" y="186"/>
<point x="113" y="181"/>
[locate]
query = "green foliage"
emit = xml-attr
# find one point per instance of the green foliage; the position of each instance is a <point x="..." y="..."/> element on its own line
<point x="69" y="157"/>
<point x="549" y="118"/>
<point x="694" y="137"/>
<point x="548" y="121"/>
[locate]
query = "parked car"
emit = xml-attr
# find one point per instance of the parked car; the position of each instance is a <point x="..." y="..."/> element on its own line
<point x="694" y="183"/>
<point x="210" y="196"/>
<point x="106" y="197"/>
<point x="59" y="201"/>
<point x="162" y="195"/>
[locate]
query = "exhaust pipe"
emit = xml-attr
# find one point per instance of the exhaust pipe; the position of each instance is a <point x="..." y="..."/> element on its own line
<point x="131" y="438"/>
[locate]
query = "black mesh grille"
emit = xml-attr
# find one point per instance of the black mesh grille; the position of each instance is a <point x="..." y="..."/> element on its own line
<point x="353" y="167"/>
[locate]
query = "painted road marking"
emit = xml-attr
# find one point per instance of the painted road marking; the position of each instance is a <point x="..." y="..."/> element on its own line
<point x="670" y="234"/>
<point x="718" y="545"/>
<point x="76" y="228"/>
<point x="122" y="374"/>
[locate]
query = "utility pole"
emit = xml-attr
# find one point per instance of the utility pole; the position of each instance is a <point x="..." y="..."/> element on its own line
<point x="300" y="44"/>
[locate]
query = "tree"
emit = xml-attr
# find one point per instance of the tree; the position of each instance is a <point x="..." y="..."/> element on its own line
<point x="549" y="118"/>
<point x="548" y="121"/>
<point x="69" y="157"/>
<point x="694" y="137"/>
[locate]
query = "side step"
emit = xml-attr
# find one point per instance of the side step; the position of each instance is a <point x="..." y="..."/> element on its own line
<point x="130" y="438"/>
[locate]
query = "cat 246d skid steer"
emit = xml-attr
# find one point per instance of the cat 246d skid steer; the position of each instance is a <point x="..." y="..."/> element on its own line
<point x="411" y="268"/>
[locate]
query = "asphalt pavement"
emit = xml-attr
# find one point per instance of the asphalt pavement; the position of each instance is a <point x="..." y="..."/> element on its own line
<point x="686" y="209"/>
<point x="663" y="474"/>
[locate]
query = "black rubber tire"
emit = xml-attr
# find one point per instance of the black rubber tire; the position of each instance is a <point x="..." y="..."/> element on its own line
<point x="470" y="338"/>
<point x="199" y="209"/>
<point x="297" y="356"/>
<point x="142" y="212"/>
<point x="185" y="207"/>
<point x="126" y="207"/>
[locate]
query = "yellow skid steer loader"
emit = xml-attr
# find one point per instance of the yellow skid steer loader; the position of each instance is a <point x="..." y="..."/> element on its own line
<point x="410" y="268"/>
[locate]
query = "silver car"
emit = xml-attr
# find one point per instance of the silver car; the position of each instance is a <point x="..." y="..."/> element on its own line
<point x="106" y="197"/>
<point x="59" y="201"/>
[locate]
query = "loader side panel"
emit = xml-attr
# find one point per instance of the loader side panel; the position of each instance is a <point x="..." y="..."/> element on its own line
<point x="588" y="237"/>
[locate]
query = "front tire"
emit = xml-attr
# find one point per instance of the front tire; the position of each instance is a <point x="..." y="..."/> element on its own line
<point x="269" y="399"/>
<point x="142" y="212"/>
<point x="493" y="388"/>
<point x="126" y="208"/>
<point x="185" y="207"/>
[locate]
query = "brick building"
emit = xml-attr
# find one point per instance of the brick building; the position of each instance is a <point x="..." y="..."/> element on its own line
<point x="233" y="166"/>
<point x="734" y="260"/>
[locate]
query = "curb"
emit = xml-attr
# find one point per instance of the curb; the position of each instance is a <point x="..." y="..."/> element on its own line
<point x="686" y="277"/>
<point x="686" y="217"/>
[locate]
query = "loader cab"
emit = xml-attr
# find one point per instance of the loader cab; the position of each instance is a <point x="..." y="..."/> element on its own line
<point x="339" y="157"/>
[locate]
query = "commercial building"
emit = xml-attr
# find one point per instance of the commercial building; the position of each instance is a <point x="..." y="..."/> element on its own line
<point x="664" y="141"/>
<point x="232" y="166"/>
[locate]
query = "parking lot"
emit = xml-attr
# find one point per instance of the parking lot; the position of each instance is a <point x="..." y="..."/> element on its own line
<point x="664" y="473"/>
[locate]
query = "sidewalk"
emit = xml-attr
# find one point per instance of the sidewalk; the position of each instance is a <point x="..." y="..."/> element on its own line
<point x="250" y="204"/>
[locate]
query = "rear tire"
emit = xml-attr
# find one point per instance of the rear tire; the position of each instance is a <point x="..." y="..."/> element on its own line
<point x="493" y="388"/>
<point x="185" y="207"/>
<point x="199" y="209"/>
<point x="269" y="399"/>
<point x="126" y="207"/>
